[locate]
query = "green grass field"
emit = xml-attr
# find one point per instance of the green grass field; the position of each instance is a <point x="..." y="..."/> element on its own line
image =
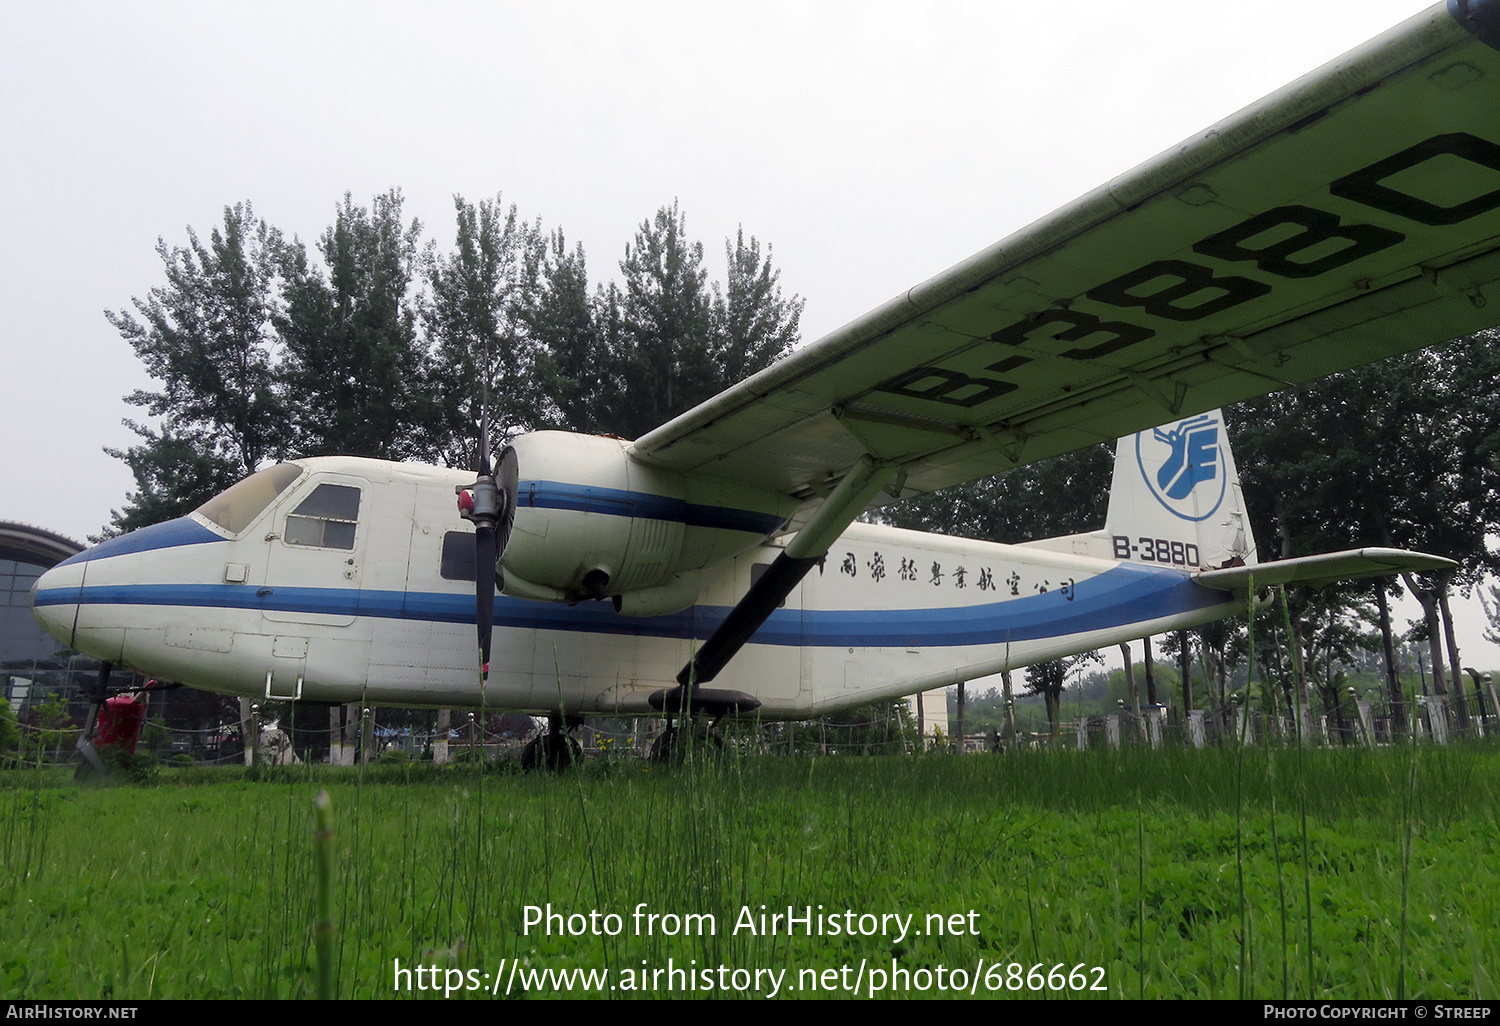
<point x="1206" y="874"/>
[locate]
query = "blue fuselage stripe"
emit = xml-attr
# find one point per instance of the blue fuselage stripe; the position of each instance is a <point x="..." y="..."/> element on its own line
<point x="172" y="533"/>
<point x="536" y="494"/>
<point x="643" y="505"/>
<point x="1124" y="595"/>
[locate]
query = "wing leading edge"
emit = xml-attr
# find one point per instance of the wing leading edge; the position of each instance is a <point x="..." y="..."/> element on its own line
<point x="1351" y="216"/>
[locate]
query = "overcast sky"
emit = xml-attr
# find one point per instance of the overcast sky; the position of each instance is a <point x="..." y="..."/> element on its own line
<point x="871" y="144"/>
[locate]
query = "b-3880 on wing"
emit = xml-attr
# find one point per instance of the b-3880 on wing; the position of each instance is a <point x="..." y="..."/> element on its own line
<point x="716" y="563"/>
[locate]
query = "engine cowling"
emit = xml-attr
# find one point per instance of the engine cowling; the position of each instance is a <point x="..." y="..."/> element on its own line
<point x="592" y="523"/>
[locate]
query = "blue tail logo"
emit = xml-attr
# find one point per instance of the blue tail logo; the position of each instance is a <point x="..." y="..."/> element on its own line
<point x="1189" y="457"/>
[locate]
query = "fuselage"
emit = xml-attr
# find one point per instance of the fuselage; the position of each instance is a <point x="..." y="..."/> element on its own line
<point x="354" y="582"/>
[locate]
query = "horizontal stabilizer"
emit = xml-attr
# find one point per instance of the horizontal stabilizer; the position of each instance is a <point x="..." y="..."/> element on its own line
<point x="1325" y="568"/>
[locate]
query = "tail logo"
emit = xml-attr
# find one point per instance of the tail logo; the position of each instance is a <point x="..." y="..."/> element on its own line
<point x="1188" y="468"/>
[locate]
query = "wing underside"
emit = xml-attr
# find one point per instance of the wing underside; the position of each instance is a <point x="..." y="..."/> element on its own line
<point x="1351" y="216"/>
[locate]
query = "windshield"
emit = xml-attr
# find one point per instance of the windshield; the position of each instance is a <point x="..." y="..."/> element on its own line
<point x="235" y="508"/>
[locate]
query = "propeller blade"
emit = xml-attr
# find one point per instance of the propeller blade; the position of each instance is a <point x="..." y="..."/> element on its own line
<point x="490" y="506"/>
<point x="485" y="556"/>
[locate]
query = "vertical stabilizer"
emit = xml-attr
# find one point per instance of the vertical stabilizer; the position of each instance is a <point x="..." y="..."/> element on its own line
<point x="1176" y="497"/>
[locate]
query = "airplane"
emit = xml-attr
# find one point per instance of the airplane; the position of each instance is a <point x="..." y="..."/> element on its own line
<point x="715" y="565"/>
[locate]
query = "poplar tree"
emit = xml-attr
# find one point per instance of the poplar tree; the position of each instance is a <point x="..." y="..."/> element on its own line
<point x="477" y="322"/>
<point x="665" y="363"/>
<point x="352" y="355"/>
<point x="207" y="338"/>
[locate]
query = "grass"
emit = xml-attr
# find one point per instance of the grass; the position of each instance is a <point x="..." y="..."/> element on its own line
<point x="1209" y="874"/>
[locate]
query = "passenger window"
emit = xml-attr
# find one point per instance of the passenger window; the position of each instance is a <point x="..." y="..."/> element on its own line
<point x="458" y="556"/>
<point x="325" y="519"/>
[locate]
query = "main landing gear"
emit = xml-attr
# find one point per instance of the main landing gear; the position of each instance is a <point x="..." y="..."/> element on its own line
<point x="673" y="744"/>
<point x="684" y="733"/>
<point x="553" y="749"/>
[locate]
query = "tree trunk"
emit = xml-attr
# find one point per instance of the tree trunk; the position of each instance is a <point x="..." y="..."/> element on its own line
<point x="958" y="733"/>
<point x="1130" y="689"/>
<point x="1184" y="664"/>
<point x="1460" y="703"/>
<point x="1394" y="697"/>
<point x="1428" y="598"/>
<point x="1010" y="706"/>
<point x="1150" y="674"/>
<point x="440" y="742"/>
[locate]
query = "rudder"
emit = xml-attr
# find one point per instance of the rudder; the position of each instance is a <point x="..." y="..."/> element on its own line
<point x="1176" y="498"/>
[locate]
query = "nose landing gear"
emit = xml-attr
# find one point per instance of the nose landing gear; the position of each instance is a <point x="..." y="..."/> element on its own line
<point x="553" y="749"/>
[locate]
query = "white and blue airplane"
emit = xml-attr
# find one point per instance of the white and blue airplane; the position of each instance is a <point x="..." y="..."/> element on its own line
<point x="716" y="563"/>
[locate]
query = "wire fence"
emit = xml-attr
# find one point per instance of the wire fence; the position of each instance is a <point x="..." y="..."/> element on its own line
<point x="351" y="735"/>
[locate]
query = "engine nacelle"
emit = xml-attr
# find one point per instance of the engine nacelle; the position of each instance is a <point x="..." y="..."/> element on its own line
<point x="593" y="523"/>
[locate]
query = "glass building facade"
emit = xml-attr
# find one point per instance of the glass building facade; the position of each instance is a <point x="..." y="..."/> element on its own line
<point x="33" y="664"/>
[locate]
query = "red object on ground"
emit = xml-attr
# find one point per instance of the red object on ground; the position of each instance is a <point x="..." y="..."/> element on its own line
<point x="120" y="721"/>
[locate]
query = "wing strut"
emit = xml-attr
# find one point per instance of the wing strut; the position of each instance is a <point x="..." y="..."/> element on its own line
<point x="811" y="544"/>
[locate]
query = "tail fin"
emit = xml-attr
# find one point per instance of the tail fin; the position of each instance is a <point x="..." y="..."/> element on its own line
<point x="1176" y="497"/>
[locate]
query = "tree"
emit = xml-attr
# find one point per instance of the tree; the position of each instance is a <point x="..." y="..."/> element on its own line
<point x="1067" y="494"/>
<point x="477" y="320"/>
<point x="10" y="733"/>
<point x="665" y="314"/>
<point x="176" y="470"/>
<point x="1398" y="453"/>
<point x="207" y="337"/>
<point x="753" y="326"/>
<point x="573" y="363"/>
<point x="352" y="354"/>
<point x="1048" y="679"/>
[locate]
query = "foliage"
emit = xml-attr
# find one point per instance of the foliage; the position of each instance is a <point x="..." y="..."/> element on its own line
<point x="371" y="345"/>
<point x="1066" y="494"/>
<point x="573" y="358"/>
<point x="10" y="731"/>
<point x="680" y="340"/>
<point x="477" y="320"/>
<point x="53" y="727"/>
<point x="665" y="364"/>
<point x="1048" y="679"/>
<point x="1397" y="453"/>
<point x="207" y="337"/>
<point x="350" y="337"/>
<point x="753" y="326"/>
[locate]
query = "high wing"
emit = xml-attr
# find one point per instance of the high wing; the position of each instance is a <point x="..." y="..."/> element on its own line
<point x="1351" y="216"/>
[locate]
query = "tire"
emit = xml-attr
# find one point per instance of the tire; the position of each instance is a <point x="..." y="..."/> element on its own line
<point x="671" y="745"/>
<point x="552" y="752"/>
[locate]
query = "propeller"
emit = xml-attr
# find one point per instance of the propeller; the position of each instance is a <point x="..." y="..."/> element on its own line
<point x="490" y="505"/>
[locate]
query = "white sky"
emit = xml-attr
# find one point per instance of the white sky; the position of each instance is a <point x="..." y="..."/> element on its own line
<point x="872" y="144"/>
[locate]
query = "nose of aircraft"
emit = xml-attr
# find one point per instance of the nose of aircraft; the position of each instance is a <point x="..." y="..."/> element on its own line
<point x="54" y="600"/>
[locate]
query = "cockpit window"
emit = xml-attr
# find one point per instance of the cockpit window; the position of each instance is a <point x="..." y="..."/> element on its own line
<point x="325" y="519"/>
<point x="235" y="508"/>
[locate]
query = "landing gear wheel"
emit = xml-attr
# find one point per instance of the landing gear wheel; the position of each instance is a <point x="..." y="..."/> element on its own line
<point x="553" y="751"/>
<point x="672" y="744"/>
